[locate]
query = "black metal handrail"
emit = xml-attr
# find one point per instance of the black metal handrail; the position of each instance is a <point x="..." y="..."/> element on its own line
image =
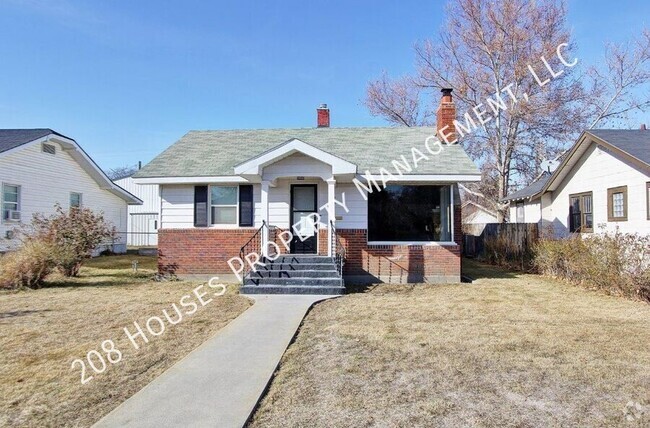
<point x="338" y="250"/>
<point x="253" y="245"/>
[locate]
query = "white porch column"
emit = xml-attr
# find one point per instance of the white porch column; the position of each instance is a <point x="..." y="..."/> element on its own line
<point x="265" y="215"/>
<point x="331" y="213"/>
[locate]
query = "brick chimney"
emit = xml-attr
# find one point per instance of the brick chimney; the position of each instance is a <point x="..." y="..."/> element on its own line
<point x="445" y="116"/>
<point x="323" y="116"/>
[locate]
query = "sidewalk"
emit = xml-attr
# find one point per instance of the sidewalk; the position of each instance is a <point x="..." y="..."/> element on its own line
<point x="219" y="383"/>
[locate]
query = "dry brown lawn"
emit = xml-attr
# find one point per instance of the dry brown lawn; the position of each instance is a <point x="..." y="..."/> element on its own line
<point x="508" y="350"/>
<point x="43" y="331"/>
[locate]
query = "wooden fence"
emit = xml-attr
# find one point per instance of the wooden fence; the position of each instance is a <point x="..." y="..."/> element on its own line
<point x="514" y="240"/>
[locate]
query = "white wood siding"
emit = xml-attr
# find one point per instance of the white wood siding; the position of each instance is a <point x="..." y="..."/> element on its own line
<point x="46" y="179"/>
<point x="532" y="212"/>
<point x="297" y="165"/>
<point x="597" y="171"/>
<point x="143" y="218"/>
<point x="357" y="217"/>
<point x="148" y="193"/>
<point x="178" y="205"/>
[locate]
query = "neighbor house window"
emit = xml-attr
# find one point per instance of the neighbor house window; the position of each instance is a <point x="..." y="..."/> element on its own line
<point x="520" y="212"/>
<point x="410" y="214"/>
<point x="10" y="203"/>
<point x="223" y="204"/>
<point x="617" y="204"/>
<point x="647" y="198"/>
<point x="581" y="216"/>
<point x="75" y="200"/>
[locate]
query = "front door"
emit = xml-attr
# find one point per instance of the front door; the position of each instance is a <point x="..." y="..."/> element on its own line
<point x="303" y="206"/>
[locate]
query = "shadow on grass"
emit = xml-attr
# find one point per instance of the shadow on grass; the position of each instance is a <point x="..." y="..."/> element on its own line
<point x="122" y="261"/>
<point x="96" y="281"/>
<point x="477" y="270"/>
<point x="14" y="314"/>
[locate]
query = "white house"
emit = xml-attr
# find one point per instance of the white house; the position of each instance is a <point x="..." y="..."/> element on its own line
<point x="228" y="193"/>
<point x="143" y="220"/>
<point x="602" y="184"/>
<point x="475" y="213"/>
<point x="40" y="168"/>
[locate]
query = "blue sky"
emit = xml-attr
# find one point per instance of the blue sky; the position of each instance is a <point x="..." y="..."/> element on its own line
<point x="128" y="78"/>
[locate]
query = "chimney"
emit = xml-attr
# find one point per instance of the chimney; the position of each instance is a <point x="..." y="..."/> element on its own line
<point x="445" y="116"/>
<point x="643" y="128"/>
<point x="323" y="116"/>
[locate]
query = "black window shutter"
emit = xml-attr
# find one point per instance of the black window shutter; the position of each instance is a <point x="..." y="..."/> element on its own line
<point x="246" y="205"/>
<point x="200" y="206"/>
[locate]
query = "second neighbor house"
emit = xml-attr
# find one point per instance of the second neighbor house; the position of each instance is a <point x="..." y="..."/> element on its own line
<point x="228" y="192"/>
<point x="602" y="184"/>
<point x="40" y="168"/>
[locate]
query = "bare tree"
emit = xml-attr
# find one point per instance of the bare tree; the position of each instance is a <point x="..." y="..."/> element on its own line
<point x="121" y="172"/>
<point x="489" y="48"/>
<point x="616" y="83"/>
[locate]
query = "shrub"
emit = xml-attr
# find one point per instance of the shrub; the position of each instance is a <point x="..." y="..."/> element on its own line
<point x="26" y="267"/>
<point x="72" y="235"/>
<point x="615" y="262"/>
<point x="503" y="251"/>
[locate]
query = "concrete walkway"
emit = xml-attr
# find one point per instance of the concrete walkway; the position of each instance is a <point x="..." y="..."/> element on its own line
<point x="219" y="383"/>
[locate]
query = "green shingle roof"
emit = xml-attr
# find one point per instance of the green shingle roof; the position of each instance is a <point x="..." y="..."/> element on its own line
<point x="215" y="153"/>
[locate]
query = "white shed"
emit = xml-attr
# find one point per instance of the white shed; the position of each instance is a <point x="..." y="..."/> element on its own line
<point x="143" y="220"/>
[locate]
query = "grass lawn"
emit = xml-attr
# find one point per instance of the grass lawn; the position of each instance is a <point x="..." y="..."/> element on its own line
<point x="43" y="331"/>
<point x="508" y="350"/>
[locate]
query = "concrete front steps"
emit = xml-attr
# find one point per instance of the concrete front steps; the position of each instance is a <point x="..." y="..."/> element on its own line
<point x="295" y="274"/>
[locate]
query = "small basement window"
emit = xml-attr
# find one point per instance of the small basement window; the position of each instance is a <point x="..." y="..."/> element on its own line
<point x="49" y="148"/>
<point x="75" y="200"/>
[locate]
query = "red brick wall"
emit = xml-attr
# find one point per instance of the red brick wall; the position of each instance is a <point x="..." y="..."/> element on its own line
<point x="207" y="251"/>
<point x="399" y="263"/>
<point x="322" y="242"/>
<point x="403" y="263"/>
<point x="198" y="251"/>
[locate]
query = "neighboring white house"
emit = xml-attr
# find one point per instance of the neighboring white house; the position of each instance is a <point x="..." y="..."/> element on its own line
<point x="143" y="219"/>
<point x="40" y="168"/>
<point x="525" y="204"/>
<point x="603" y="183"/>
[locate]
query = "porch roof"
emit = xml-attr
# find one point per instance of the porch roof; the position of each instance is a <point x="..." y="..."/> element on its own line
<point x="216" y="153"/>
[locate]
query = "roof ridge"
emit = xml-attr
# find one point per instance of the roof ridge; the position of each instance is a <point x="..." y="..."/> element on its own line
<point x="383" y="128"/>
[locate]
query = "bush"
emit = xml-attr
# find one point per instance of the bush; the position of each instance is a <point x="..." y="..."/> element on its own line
<point x="615" y="262"/>
<point x="502" y="251"/>
<point x="72" y="235"/>
<point x="26" y="267"/>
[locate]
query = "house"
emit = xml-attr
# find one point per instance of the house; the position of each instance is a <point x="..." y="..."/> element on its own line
<point x="602" y="184"/>
<point x="475" y="213"/>
<point x="525" y="204"/>
<point x="225" y="193"/>
<point x="142" y="223"/>
<point x="40" y="168"/>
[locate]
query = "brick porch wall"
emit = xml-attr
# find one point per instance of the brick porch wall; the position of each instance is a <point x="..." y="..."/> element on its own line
<point x="207" y="251"/>
<point x="200" y="251"/>
<point x="402" y="263"/>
